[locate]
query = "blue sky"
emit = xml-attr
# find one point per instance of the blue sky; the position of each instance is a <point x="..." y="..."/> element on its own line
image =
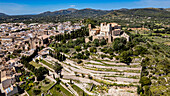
<point x="15" y="7"/>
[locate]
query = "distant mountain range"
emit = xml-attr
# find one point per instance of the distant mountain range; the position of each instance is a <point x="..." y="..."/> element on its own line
<point x="60" y="12"/>
<point x="91" y="13"/>
<point x="2" y="15"/>
<point x="83" y="13"/>
<point x="149" y="12"/>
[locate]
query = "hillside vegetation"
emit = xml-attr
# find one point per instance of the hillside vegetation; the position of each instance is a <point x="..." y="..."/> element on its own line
<point x="122" y="15"/>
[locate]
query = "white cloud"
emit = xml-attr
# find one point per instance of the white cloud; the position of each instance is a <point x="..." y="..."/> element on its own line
<point x="72" y="5"/>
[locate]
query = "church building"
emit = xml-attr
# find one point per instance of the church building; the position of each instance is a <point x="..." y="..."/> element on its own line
<point x="107" y="31"/>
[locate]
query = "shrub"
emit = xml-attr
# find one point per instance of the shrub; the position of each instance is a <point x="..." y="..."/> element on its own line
<point x="103" y="42"/>
<point x="145" y="81"/>
<point x="96" y="42"/>
<point x="36" y="92"/>
<point x="117" y="57"/>
<point x="78" y="48"/>
<point x="79" y="61"/>
<point x="125" y="58"/>
<point x="90" y="77"/>
<point x="93" y="50"/>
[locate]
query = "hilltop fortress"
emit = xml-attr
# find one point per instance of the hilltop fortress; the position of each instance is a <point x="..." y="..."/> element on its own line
<point x="107" y="31"/>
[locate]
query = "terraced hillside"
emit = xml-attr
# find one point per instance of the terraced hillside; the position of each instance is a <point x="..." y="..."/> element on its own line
<point x="94" y="79"/>
<point x="91" y="72"/>
<point x="97" y="68"/>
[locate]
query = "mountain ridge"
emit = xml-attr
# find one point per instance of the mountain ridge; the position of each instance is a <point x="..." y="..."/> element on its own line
<point x="71" y="10"/>
<point x="150" y="12"/>
<point x="99" y="15"/>
<point x="3" y="14"/>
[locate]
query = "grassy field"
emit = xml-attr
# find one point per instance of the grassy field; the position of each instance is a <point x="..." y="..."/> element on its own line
<point x="58" y="90"/>
<point x="35" y="64"/>
<point x="46" y="63"/>
<point x="43" y="86"/>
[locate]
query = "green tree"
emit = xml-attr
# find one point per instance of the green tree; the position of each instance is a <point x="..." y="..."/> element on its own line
<point x="79" y="61"/>
<point x="145" y="81"/>
<point x="119" y="44"/>
<point x="139" y="50"/>
<point x="57" y="67"/>
<point x="96" y="42"/>
<point x="93" y="50"/>
<point x="36" y="92"/>
<point x="87" y="53"/>
<point x="90" y="38"/>
<point x="37" y="61"/>
<point x="125" y="58"/>
<point x="78" y="48"/>
<point x="103" y="42"/>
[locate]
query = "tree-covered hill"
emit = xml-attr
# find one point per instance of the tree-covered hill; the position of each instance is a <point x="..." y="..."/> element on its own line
<point x="88" y="13"/>
<point x="72" y="13"/>
<point x="143" y="12"/>
<point x="99" y="15"/>
<point x="3" y="15"/>
<point x="60" y="12"/>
